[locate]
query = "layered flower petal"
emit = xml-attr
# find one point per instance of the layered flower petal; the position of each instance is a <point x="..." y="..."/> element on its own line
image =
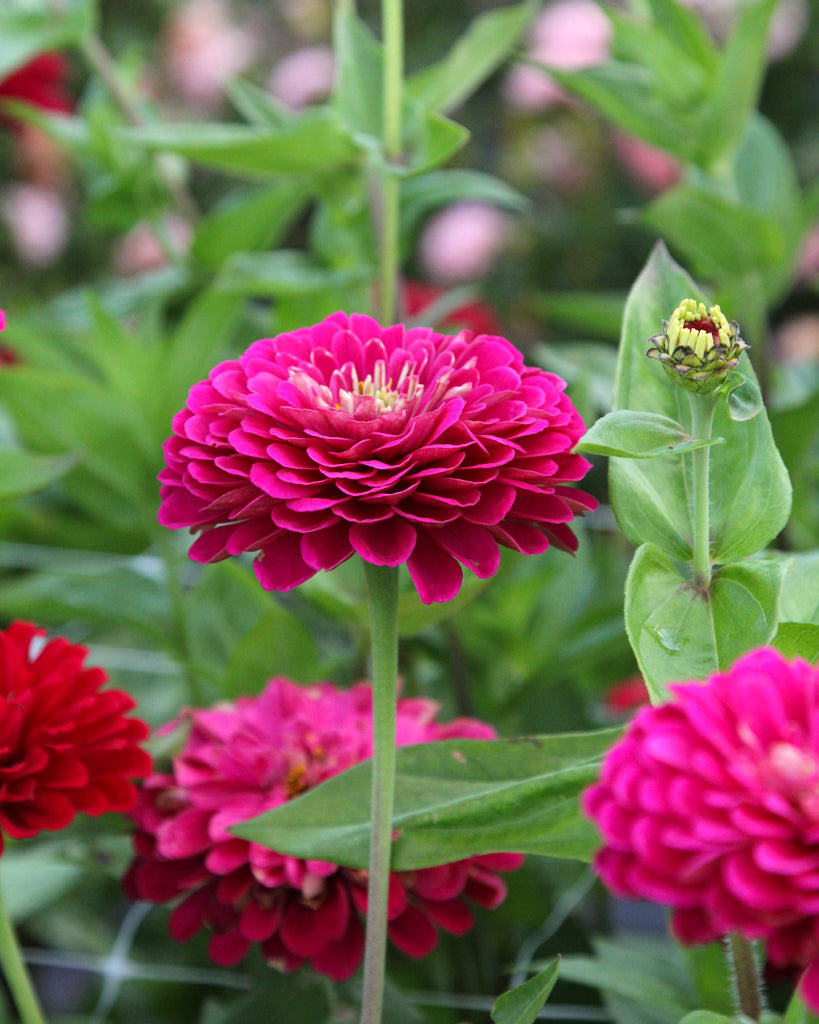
<point x="242" y="759"/>
<point x="401" y="445"/>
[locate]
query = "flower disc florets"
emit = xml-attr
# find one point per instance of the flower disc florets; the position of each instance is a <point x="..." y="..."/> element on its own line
<point x="66" y="745"/>
<point x="698" y="347"/>
<point x="400" y="445"/>
<point x="710" y="805"/>
<point x="245" y="758"/>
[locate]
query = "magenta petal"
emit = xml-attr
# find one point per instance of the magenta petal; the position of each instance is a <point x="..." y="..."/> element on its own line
<point x="386" y="543"/>
<point x="473" y="546"/>
<point x="413" y="933"/>
<point x="228" y="949"/>
<point x="436" y="574"/>
<point x="809" y="986"/>
<point x="340" y="959"/>
<point x="281" y="566"/>
<point x="327" y="548"/>
<point x="306" y="930"/>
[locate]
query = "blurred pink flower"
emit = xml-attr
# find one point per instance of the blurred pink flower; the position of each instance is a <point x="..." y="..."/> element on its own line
<point x="400" y="445"/>
<point x="568" y="35"/>
<point x="141" y="250"/>
<point x="303" y="77"/>
<point x="460" y="242"/>
<point x="242" y="759"/>
<point x="650" y="167"/>
<point x="37" y="221"/>
<point x="626" y="697"/>
<point x="204" y="48"/>
<point x="710" y="805"/>
<point x="797" y="339"/>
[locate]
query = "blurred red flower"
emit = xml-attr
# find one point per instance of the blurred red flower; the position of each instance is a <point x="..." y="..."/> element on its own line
<point x="41" y="83"/>
<point x="475" y="316"/>
<point x="66" y="745"/>
<point x="242" y="759"/>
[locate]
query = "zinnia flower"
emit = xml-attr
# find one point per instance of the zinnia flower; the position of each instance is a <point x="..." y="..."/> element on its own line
<point x="242" y="759"/>
<point x="65" y="744"/>
<point x="710" y="805"/>
<point x="41" y="83"/>
<point x="401" y="445"/>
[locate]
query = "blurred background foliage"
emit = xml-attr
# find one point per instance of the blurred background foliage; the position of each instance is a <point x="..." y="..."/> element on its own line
<point x="205" y="190"/>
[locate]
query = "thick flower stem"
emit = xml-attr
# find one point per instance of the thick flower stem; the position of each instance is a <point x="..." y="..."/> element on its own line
<point x="702" y="419"/>
<point x="383" y="595"/>
<point x="745" y="971"/>
<point x="392" y="16"/>
<point x="15" y="972"/>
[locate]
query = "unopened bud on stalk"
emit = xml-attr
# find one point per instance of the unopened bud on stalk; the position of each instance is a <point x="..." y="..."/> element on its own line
<point x="698" y="347"/>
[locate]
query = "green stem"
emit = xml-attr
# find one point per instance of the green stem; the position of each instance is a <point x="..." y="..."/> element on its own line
<point x="15" y="972"/>
<point x="745" y="972"/>
<point x="382" y="582"/>
<point x="702" y="419"/>
<point x="392" y="15"/>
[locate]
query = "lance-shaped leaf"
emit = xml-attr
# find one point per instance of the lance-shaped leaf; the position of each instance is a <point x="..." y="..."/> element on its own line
<point x="638" y="435"/>
<point x="453" y="799"/>
<point x="750" y="492"/>
<point x="523" y="1004"/>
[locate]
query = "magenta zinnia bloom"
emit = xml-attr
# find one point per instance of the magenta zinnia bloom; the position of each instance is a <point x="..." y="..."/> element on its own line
<point x="242" y="759"/>
<point x="401" y="445"/>
<point x="65" y="744"/>
<point x="710" y="805"/>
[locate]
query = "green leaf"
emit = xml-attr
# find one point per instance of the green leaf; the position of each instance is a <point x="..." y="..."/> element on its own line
<point x="686" y="28"/>
<point x="296" y="997"/>
<point x="744" y="398"/>
<point x="798" y="640"/>
<point x="315" y="142"/>
<point x="287" y="272"/>
<point x="37" y="26"/>
<point x="678" y="634"/>
<point x="734" y="93"/>
<point x="277" y="645"/>
<point x="479" y="51"/>
<point x="596" y="314"/>
<point x="523" y="1004"/>
<point x="798" y="1013"/>
<point x="35" y="875"/>
<point x="453" y="799"/>
<point x="706" y="1017"/>
<point x="750" y="489"/>
<point x="23" y="473"/>
<point x="800" y="590"/>
<point x="359" y="72"/>
<point x="638" y="435"/>
<point x="253" y="220"/>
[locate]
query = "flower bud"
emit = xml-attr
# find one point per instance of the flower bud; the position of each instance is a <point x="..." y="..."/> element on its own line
<point x="698" y="348"/>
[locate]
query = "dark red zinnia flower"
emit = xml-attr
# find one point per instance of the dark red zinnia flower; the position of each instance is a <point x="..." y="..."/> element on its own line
<point x="475" y="316"/>
<point x="399" y="445"/>
<point x="41" y="83"/>
<point x="66" y="745"/>
<point x="242" y="759"/>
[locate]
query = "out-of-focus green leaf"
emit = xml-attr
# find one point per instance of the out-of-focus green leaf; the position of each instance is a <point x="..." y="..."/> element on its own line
<point x="34" y="875"/>
<point x="297" y="998"/>
<point x="23" y="473"/>
<point x="359" y="63"/>
<point x="638" y="435"/>
<point x="588" y="314"/>
<point x="37" y="26"/>
<point x="798" y="640"/>
<point x="278" y="645"/>
<point x="258" y="106"/>
<point x="286" y="272"/>
<point x="800" y="590"/>
<point x="798" y="1013"/>
<point x="523" y="1004"/>
<point x="249" y="221"/>
<point x="453" y="799"/>
<point x="314" y="143"/>
<point x="482" y="48"/>
<point x="678" y="634"/>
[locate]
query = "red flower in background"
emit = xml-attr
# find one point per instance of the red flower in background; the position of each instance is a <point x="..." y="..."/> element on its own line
<point x="401" y="445"/>
<point x="65" y="744"/>
<point x="476" y="316"/>
<point x="242" y="759"/>
<point x="710" y="805"/>
<point x="41" y="83"/>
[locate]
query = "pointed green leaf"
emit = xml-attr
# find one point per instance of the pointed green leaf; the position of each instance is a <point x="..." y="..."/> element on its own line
<point x="638" y="435"/>
<point x="23" y="473"/>
<point x="798" y="1013"/>
<point x="453" y="799"/>
<point x="38" y="25"/>
<point x="798" y="640"/>
<point x="750" y="489"/>
<point x="523" y="1004"/>
<point x="800" y="590"/>
<point x="479" y="51"/>
<point x="706" y="1017"/>
<point x="678" y="634"/>
<point x="315" y="142"/>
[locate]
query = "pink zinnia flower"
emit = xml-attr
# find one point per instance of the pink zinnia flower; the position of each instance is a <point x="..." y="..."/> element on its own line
<point x="41" y="83"/>
<point x="66" y="745"/>
<point x="401" y="445"/>
<point x="710" y="805"/>
<point x="460" y="242"/>
<point x="242" y="759"/>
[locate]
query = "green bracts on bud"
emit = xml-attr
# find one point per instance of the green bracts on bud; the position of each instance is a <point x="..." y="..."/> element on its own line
<point x="698" y="347"/>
